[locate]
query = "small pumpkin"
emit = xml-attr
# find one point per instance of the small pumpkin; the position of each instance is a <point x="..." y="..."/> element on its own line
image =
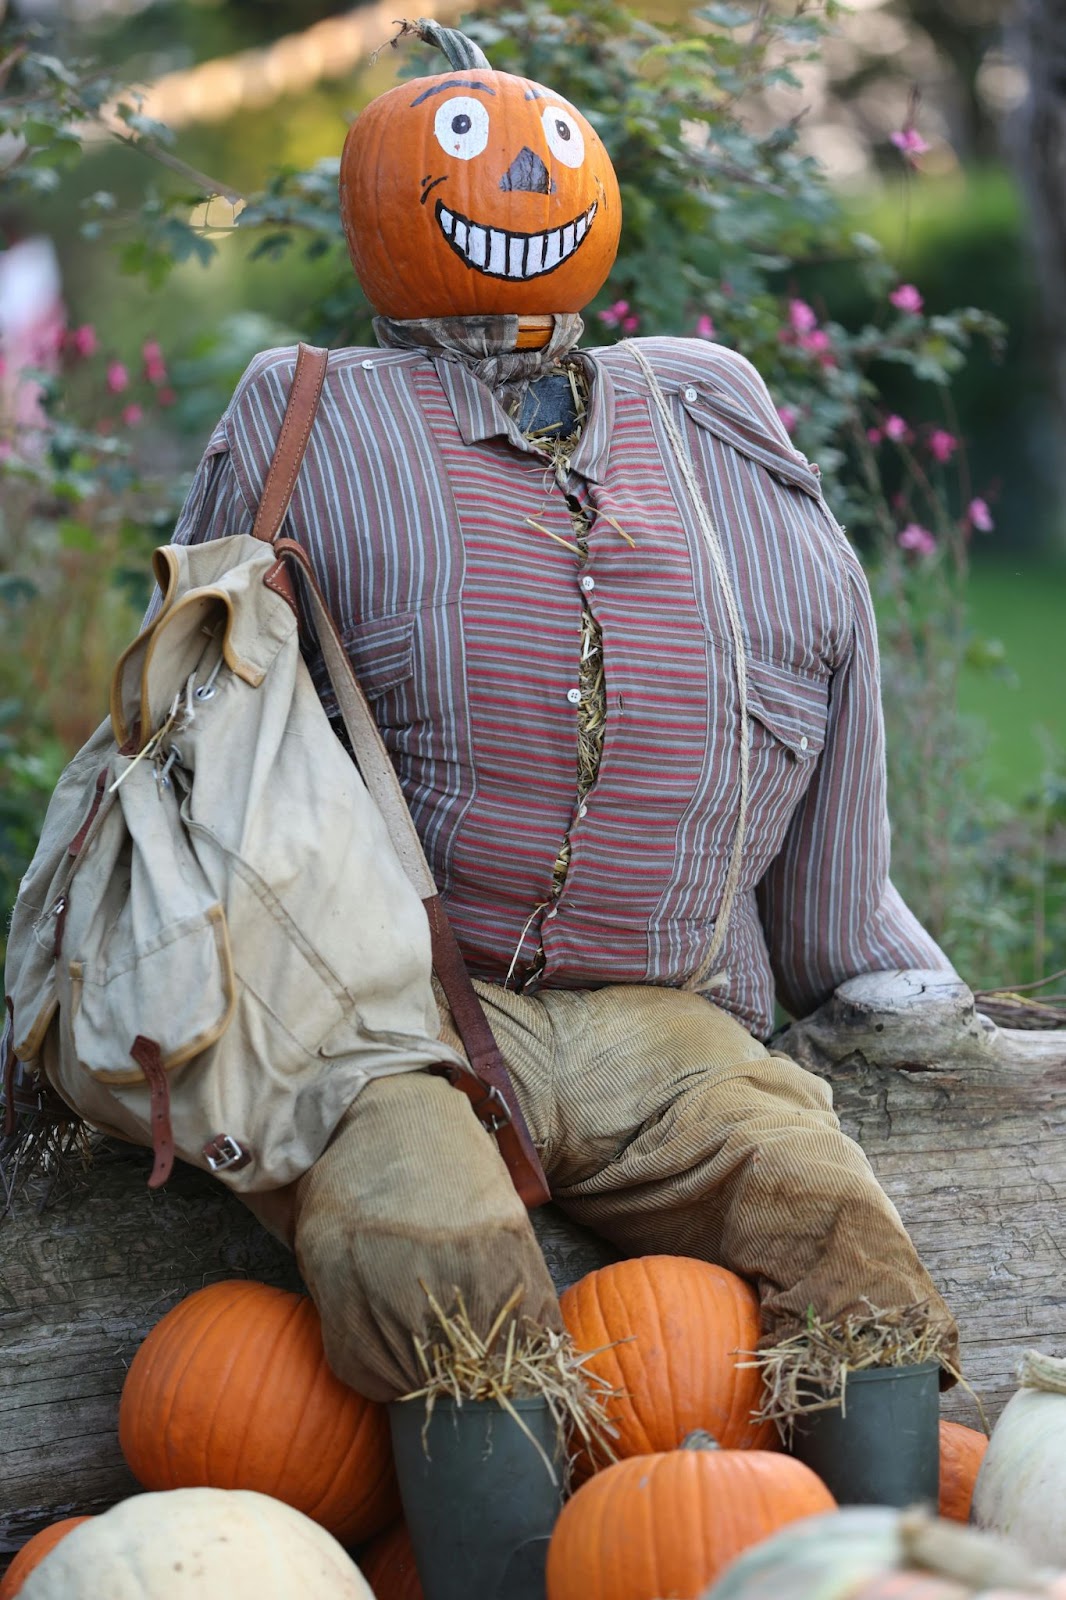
<point x="668" y="1524"/>
<point x="961" y="1453"/>
<point x="876" y="1553"/>
<point x="190" y="1543"/>
<point x="475" y="192"/>
<point x="388" y="1565"/>
<point x="33" y="1553"/>
<point x="666" y="1332"/>
<point x="231" y="1390"/>
<point x="1021" y="1487"/>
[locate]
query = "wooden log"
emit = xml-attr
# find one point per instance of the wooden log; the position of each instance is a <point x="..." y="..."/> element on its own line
<point x="964" y="1125"/>
<point x="962" y="1121"/>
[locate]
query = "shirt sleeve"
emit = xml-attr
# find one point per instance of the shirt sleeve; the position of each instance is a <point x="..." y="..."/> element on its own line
<point x="214" y="505"/>
<point x="828" y="907"/>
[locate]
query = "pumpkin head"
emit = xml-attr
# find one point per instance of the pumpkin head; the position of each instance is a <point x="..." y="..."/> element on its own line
<point x="33" y="1553"/>
<point x="668" y="1524"/>
<point x="231" y="1390"/>
<point x="666" y="1333"/>
<point x="961" y="1453"/>
<point x="475" y="192"/>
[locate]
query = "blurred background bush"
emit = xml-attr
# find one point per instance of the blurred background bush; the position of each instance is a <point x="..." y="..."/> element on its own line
<point x="863" y="200"/>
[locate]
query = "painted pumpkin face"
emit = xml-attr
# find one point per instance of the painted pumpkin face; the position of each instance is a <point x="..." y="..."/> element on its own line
<point x="476" y="192"/>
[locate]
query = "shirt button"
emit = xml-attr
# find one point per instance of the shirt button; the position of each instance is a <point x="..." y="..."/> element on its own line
<point x="588" y="584"/>
<point x="582" y="810"/>
<point x="690" y="394"/>
<point x="804" y="742"/>
<point x="552" y="913"/>
<point x="574" y="696"/>
<point x="366" y="363"/>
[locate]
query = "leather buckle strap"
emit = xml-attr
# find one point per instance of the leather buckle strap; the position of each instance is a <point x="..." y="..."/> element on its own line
<point x="487" y="1065"/>
<point x="149" y="1058"/>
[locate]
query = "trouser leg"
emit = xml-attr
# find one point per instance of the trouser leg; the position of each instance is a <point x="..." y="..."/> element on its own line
<point x="673" y="1131"/>
<point x="410" y="1192"/>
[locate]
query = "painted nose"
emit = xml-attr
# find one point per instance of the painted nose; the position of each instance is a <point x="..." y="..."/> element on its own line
<point x="527" y="171"/>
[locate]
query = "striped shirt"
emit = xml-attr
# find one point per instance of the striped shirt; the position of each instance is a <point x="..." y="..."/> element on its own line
<point x="444" y="544"/>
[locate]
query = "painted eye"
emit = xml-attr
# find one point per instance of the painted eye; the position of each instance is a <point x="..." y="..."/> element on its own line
<point x="462" y="127"/>
<point x="565" y="139"/>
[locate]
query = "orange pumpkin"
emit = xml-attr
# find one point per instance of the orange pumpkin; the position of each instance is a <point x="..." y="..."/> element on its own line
<point x="231" y="1390"/>
<point x="668" y="1524"/>
<point x="475" y="192"/>
<point x="388" y="1565"/>
<point x="961" y="1452"/>
<point x="33" y="1552"/>
<point x="674" y="1327"/>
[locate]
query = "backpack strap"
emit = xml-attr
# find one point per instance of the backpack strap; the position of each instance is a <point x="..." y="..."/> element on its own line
<point x="307" y="381"/>
<point x="486" y="1083"/>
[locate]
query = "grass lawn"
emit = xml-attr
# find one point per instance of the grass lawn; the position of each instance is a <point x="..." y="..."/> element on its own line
<point x="1024" y="606"/>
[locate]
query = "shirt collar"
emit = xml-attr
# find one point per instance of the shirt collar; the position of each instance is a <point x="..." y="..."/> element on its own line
<point x="480" y="417"/>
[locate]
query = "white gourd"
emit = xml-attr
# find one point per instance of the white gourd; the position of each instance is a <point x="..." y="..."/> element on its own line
<point x="1021" y="1487"/>
<point x="190" y="1544"/>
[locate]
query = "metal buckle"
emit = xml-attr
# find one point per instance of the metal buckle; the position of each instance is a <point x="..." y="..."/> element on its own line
<point x="498" y="1119"/>
<point x="224" y="1151"/>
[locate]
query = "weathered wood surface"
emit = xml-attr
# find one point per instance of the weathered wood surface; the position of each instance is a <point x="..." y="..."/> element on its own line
<point x="963" y="1122"/>
<point x="965" y="1126"/>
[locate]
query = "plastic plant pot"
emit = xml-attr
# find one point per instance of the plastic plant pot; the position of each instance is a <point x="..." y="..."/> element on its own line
<point x="883" y="1446"/>
<point x="479" y="1502"/>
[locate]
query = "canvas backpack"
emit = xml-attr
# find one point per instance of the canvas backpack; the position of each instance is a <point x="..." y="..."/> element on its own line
<point x="223" y="934"/>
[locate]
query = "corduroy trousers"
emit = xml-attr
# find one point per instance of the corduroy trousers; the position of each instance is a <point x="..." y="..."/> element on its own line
<point x="661" y="1124"/>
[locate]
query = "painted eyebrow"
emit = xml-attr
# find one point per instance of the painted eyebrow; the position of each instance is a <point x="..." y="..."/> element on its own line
<point x="534" y="94"/>
<point x="456" y="83"/>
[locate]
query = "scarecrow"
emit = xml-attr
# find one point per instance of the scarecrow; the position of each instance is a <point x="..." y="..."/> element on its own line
<point x="624" y="661"/>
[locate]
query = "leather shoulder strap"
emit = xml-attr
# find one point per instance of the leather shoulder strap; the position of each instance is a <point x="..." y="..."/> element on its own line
<point x="310" y="374"/>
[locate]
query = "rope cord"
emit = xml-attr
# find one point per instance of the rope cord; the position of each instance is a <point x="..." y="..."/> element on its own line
<point x="702" y="975"/>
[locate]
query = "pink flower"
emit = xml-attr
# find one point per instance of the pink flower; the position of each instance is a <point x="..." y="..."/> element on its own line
<point x="895" y="429"/>
<point x="83" y="340"/>
<point x="980" y="516"/>
<point x="117" y="377"/>
<point x="910" y="144"/>
<point x="943" y="444"/>
<point x="906" y="298"/>
<point x="154" y="366"/>
<point x="630" y="324"/>
<point x="801" y="316"/>
<point x="166" y="397"/>
<point x="615" y="315"/>
<point x="789" y="417"/>
<point x="132" y="415"/>
<point x="819" y="344"/>
<point x="704" y="327"/>
<point x="874" y="435"/>
<point x="915" y="537"/>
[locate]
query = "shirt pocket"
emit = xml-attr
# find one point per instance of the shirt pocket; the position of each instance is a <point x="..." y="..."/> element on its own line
<point x="788" y="715"/>
<point x="382" y="652"/>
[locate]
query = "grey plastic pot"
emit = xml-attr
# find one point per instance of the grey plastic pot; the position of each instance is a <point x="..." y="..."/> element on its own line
<point x="884" y="1448"/>
<point x="479" y="1501"/>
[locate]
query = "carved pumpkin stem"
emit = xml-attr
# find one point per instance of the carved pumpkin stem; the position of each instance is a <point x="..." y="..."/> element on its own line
<point x="462" y="53"/>
<point x="700" y="1439"/>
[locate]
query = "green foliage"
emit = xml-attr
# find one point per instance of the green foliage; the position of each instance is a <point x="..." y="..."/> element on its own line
<point x="729" y="231"/>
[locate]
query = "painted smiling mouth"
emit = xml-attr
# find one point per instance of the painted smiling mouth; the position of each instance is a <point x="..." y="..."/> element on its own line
<point x="500" y="254"/>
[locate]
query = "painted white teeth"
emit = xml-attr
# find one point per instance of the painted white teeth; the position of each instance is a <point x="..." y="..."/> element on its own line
<point x="512" y="255"/>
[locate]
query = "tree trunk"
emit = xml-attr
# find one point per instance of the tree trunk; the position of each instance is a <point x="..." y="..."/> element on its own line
<point x="964" y="1124"/>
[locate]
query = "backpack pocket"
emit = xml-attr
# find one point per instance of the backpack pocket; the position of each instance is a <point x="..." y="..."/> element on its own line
<point x="176" y="989"/>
